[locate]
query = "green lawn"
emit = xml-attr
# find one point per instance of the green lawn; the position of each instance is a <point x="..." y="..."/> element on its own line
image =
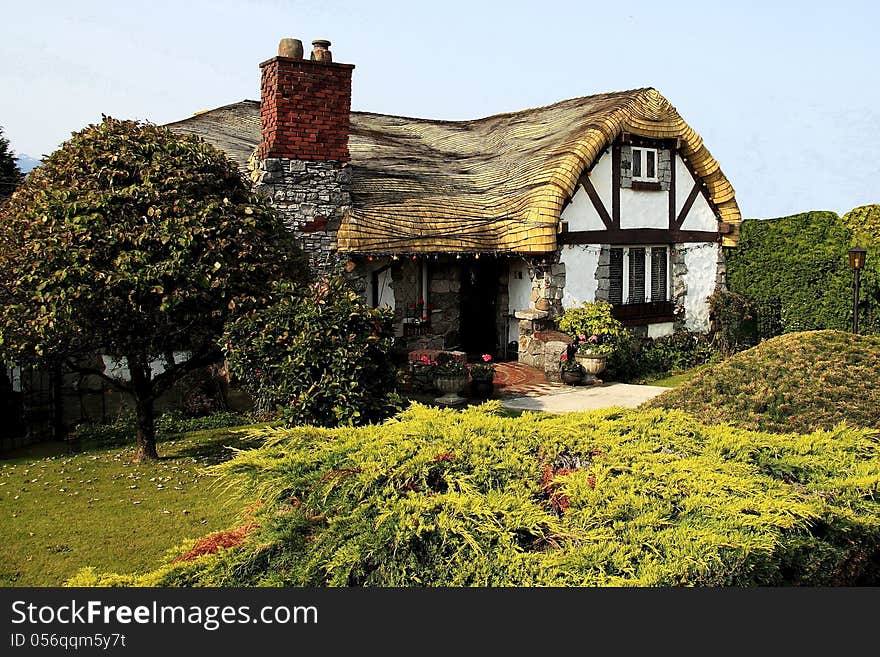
<point x="97" y="508"/>
<point x="676" y="379"/>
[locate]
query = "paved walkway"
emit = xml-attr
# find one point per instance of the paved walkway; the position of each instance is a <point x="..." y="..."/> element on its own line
<point x="570" y="399"/>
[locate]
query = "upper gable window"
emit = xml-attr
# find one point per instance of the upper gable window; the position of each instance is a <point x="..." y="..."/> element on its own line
<point x="644" y="164"/>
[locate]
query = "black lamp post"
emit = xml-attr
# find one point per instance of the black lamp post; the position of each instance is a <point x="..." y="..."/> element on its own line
<point x="856" y="261"/>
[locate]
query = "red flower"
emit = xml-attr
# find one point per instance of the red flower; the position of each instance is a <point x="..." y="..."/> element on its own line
<point x="487" y="358"/>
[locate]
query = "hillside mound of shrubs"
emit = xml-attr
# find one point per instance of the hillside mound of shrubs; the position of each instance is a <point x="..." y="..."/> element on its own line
<point x="795" y="382"/>
<point x="607" y="498"/>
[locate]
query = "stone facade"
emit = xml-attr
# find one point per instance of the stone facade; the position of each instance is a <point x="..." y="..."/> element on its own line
<point x="548" y="284"/>
<point x="311" y="197"/>
<point x="301" y="161"/>
<point x="679" y="283"/>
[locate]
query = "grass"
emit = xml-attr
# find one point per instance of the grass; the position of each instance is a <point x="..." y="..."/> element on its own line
<point x="797" y="382"/>
<point x="97" y="508"/>
<point x="675" y="379"/>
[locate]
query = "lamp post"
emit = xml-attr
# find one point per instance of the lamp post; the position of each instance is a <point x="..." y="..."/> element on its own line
<point x="856" y="261"/>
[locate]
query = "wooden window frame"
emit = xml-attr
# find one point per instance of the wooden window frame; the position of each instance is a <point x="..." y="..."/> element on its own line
<point x="643" y="164"/>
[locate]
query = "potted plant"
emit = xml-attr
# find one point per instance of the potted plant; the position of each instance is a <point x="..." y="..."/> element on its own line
<point x="450" y="378"/>
<point x="592" y="353"/>
<point x="598" y="335"/>
<point x="482" y="377"/>
<point x="570" y="371"/>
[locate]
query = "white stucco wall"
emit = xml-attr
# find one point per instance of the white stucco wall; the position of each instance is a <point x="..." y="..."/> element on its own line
<point x="644" y="209"/>
<point x="580" y="274"/>
<point x="684" y="183"/>
<point x="702" y="267"/>
<point x="580" y="213"/>
<point x="700" y="216"/>
<point x="600" y="177"/>
<point x="519" y="295"/>
<point x="659" y="330"/>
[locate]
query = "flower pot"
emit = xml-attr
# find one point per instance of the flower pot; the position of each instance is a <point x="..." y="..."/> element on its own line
<point x="482" y="388"/>
<point x="593" y="364"/>
<point x="450" y="386"/>
<point x="571" y="377"/>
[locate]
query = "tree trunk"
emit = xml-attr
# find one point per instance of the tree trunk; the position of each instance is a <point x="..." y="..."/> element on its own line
<point x="142" y="389"/>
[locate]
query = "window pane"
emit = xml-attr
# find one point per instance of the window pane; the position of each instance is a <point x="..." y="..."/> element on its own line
<point x="659" y="264"/>
<point x="637" y="275"/>
<point x="615" y="274"/>
<point x="637" y="162"/>
<point x="651" y="168"/>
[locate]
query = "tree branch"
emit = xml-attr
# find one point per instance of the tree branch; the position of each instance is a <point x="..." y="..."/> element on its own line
<point x="116" y="383"/>
<point x="164" y="380"/>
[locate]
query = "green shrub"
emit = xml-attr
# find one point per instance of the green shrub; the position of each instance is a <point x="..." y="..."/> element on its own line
<point x="864" y="223"/>
<point x="175" y="422"/>
<point x="608" y="498"/>
<point x="636" y="359"/>
<point x="123" y="429"/>
<point x="795" y="382"/>
<point x="593" y="318"/>
<point x="797" y="268"/>
<point x="319" y="355"/>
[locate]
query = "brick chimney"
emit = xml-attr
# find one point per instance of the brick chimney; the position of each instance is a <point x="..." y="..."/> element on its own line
<point x="302" y="159"/>
<point x="305" y="105"/>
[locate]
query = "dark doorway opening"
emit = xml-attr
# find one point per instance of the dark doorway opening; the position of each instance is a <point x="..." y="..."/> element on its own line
<point x="480" y="280"/>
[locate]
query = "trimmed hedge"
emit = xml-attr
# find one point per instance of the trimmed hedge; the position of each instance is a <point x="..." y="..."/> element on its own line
<point x="795" y="382"/>
<point x="608" y="498"/>
<point x="795" y="270"/>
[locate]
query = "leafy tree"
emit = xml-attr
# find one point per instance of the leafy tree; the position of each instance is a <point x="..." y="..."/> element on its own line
<point x="138" y="243"/>
<point x="10" y="175"/>
<point x="319" y="355"/>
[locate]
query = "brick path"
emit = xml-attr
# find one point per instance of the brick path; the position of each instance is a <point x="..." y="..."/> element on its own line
<point x="519" y="380"/>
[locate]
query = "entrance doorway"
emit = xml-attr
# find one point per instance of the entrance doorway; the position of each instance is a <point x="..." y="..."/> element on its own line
<point x="480" y="280"/>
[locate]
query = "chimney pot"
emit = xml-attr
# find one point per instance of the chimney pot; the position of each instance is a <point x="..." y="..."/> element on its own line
<point x="292" y="48"/>
<point x="321" y="51"/>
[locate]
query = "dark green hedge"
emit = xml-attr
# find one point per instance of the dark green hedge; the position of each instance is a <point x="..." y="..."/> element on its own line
<point x="796" y="268"/>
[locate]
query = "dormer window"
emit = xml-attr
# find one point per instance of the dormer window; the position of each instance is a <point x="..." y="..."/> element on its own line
<point x="644" y="164"/>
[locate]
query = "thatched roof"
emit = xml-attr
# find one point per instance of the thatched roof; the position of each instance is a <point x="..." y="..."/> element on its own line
<point x="492" y="184"/>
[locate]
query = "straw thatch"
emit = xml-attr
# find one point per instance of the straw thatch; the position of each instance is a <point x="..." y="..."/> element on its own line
<point x="492" y="184"/>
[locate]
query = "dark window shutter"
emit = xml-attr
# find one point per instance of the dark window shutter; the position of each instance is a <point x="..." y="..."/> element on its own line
<point x="615" y="274"/>
<point x="637" y="275"/>
<point x="659" y="265"/>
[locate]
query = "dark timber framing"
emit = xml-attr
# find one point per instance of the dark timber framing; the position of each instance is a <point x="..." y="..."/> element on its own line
<point x="638" y="236"/>
<point x="686" y="208"/>
<point x="597" y="202"/>
<point x="615" y="187"/>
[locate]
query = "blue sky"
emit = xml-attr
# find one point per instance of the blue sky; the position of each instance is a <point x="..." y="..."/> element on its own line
<point x="785" y="94"/>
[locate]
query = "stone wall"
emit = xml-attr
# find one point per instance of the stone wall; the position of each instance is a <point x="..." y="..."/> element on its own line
<point x="548" y="284"/>
<point x="311" y="198"/>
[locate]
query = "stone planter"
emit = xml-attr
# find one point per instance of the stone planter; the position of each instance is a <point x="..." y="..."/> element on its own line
<point x="451" y="386"/>
<point x="593" y="365"/>
<point x="571" y="377"/>
<point x="482" y="388"/>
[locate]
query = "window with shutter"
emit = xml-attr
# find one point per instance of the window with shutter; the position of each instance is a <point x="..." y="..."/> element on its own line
<point x="659" y="265"/>
<point x="615" y="290"/>
<point x="636" y="275"/>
